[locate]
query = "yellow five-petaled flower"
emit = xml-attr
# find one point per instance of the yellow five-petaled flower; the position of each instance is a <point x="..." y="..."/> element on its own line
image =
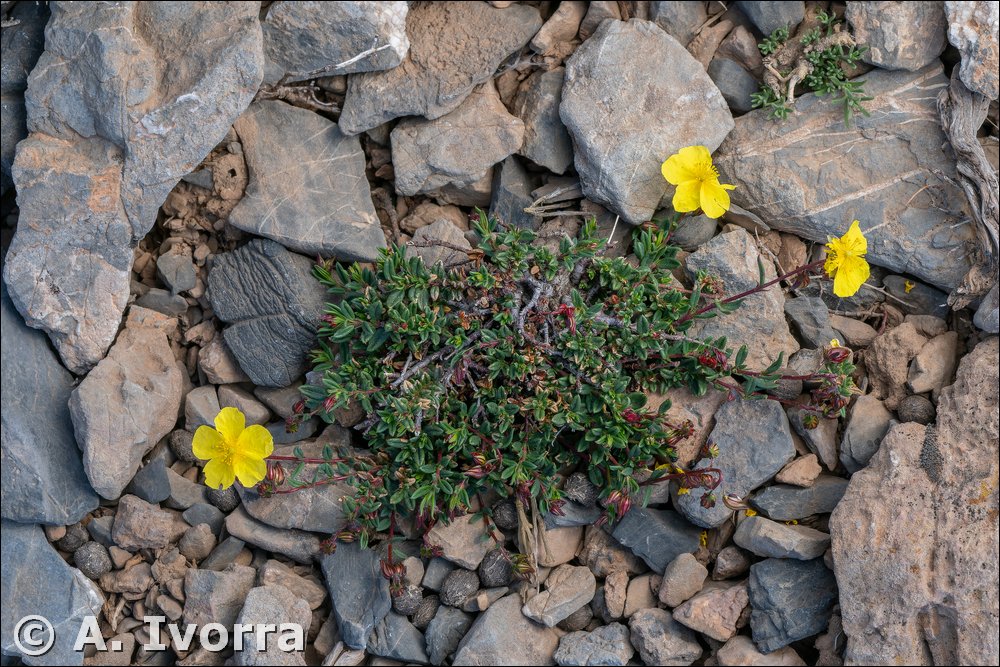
<point x="845" y="261"/>
<point x="697" y="181"/>
<point x="233" y="450"/>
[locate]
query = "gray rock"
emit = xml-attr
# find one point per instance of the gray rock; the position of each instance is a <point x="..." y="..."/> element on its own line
<point x="495" y="570"/>
<point x="151" y="483"/>
<point x="873" y="182"/>
<point x="303" y="40"/>
<point x="607" y="645"/>
<point x="573" y="514"/>
<point x="735" y="83"/>
<point x="691" y="233"/>
<point x="458" y="586"/>
<point x="755" y="442"/>
<point x="812" y="320"/>
<point x="759" y="323"/>
<point x="216" y="597"/>
<point x="100" y="530"/>
<point x="791" y="600"/>
<point x="13" y="128"/>
<point x="42" y="473"/>
<point x="92" y="559"/>
<point x="425" y="614"/>
<point x="597" y="13"/>
<point x="730" y="563"/>
<point x="821" y="440"/>
<point x="987" y="315"/>
<point x="512" y="188"/>
<point x="580" y="618"/>
<point x="223" y="555"/>
<point x="906" y="36"/>
<point x="197" y="542"/>
<point x="271" y="605"/>
<point x="567" y="588"/>
<point x="298" y="545"/>
<point x="74" y="537"/>
<point x="783" y="502"/>
<point x="661" y="640"/>
<point x="656" y="536"/>
<point x="128" y="402"/>
<point x="437" y="571"/>
<point x="455" y="150"/>
<point x="282" y="436"/>
<point x="36" y="580"/>
<point x="21" y="45"/>
<point x="680" y="20"/>
<point x="613" y="107"/>
<point x="225" y="499"/>
<point x="307" y="188"/>
<point x="201" y="407"/>
<point x="546" y="141"/>
<point x="141" y="525"/>
<point x="464" y="540"/>
<point x="502" y="634"/>
<point x="273" y="304"/>
<point x="397" y="639"/>
<point x="279" y="574"/>
<point x="234" y="396"/>
<point x="917" y="409"/>
<point x="444" y="633"/>
<point x="358" y="591"/>
<point x="916" y="298"/>
<point x="866" y="425"/>
<point x="683" y="577"/>
<point x="177" y="272"/>
<point x="771" y="539"/>
<point x="408" y="602"/>
<point x="453" y="48"/>
<point x="769" y="16"/>
<point x="111" y="135"/>
<point x="972" y="29"/>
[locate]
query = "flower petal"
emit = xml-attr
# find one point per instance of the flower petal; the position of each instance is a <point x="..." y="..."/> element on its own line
<point x="687" y="197"/>
<point x="851" y="275"/>
<point x="714" y="199"/>
<point x="218" y="475"/>
<point x="249" y="470"/>
<point x="854" y="241"/>
<point x="681" y="166"/>
<point x="255" y="442"/>
<point x="207" y="443"/>
<point x="230" y="422"/>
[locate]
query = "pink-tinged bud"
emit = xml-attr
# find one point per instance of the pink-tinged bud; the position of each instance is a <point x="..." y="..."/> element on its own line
<point x="299" y="407"/>
<point x="328" y="403"/>
<point x="476" y="472"/>
<point x="837" y="355"/>
<point x="556" y="507"/>
<point x="329" y="545"/>
<point x="275" y="473"/>
<point x="631" y="416"/>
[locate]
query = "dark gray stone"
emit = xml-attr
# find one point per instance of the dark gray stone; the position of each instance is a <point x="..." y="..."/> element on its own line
<point x="917" y="409"/>
<point x="42" y="472"/>
<point x="397" y="639"/>
<point x="572" y="514"/>
<point x="495" y="570"/>
<point x="458" y="586"/>
<point x="735" y="83"/>
<point x="867" y="423"/>
<point x="812" y="320"/>
<point x="408" y="601"/>
<point x="512" y="187"/>
<point x="771" y="539"/>
<point x="680" y="20"/>
<point x="298" y="545"/>
<point x="621" y="108"/>
<point x="546" y="141"/>
<point x="691" y="233"/>
<point x="914" y="297"/>
<point x="791" y="600"/>
<point x="100" y="529"/>
<point x="579" y="489"/>
<point x="454" y="46"/>
<point x="445" y="632"/>
<point x="607" y="645"/>
<point x="204" y="513"/>
<point x="661" y="640"/>
<point x="359" y="592"/>
<point x="151" y="483"/>
<point x="225" y="499"/>
<point x="784" y="502"/>
<point x="36" y="580"/>
<point x="74" y="538"/>
<point x="223" y="554"/>
<point x="177" y="272"/>
<point x="273" y="304"/>
<point x="657" y="536"/>
<point x="437" y="571"/>
<point x="755" y="442"/>
<point x="770" y="15"/>
<point x="163" y="301"/>
<point x="183" y="492"/>
<point x="821" y="440"/>
<point x="987" y="315"/>
<point x="307" y="188"/>
<point x="425" y="614"/>
<point x="92" y="559"/>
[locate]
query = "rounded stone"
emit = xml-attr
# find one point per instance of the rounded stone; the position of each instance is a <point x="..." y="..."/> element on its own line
<point x="408" y="601"/>
<point x="580" y="489"/>
<point x="425" y="613"/>
<point x="505" y="515"/>
<point x="74" y="538"/>
<point x="225" y="499"/>
<point x="578" y="620"/>
<point x="93" y="559"/>
<point x="180" y="442"/>
<point x="495" y="570"/>
<point x="916" y="409"/>
<point x="458" y="586"/>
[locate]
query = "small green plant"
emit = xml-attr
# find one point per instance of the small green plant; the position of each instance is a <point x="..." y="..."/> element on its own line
<point x="774" y="42"/>
<point x="777" y="106"/>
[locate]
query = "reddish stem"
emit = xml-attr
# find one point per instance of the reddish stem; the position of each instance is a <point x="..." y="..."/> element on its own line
<point x="293" y="489"/>
<point x="302" y="459"/>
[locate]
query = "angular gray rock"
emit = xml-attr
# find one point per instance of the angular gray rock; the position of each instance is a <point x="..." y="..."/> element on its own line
<point x="755" y="442"/>
<point x="567" y="588"/>
<point x="512" y="188"/>
<point x="812" y="320"/>
<point x="867" y="424"/>
<point x="908" y="35"/>
<point x="142" y="525"/>
<point x="791" y="600"/>
<point x="21" y="45"/>
<point x="454" y="46"/>
<point x="503" y="635"/>
<point x="273" y="305"/>
<point x="113" y="129"/>
<point x="463" y="540"/>
<point x="734" y="82"/>
<point x="546" y="140"/>
<point x="622" y="110"/>
<point x="37" y="581"/>
<point x="397" y="639"/>
<point x="216" y="597"/>
<point x="783" y="502"/>
<point x="973" y="29"/>
<point x="771" y="539"/>
<point x="307" y="188"/>
<point x="988" y="314"/>
<point x="661" y="640"/>
<point x="429" y="239"/>
<point x="770" y="15"/>
<point x="303" y="40"/>
<point x="759" y="322"/>
<point x="455" y="150"/>
<point x="43" y="479"/>
<point x="298" y="545"/>
<point x="656" y="536"/>
<point x="445" y="631"/>
<point x="271" y="605"/>
<point x="128" y="402"/>
<point x="607" y="645"/>
<point x="680" y="20"/>
<point x="358" y="591"/>
<point x="811" y="175"/>
<point x="924" y="588"/>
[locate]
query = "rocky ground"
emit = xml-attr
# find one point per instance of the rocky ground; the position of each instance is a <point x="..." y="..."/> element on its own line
<point x="178" y="168"/>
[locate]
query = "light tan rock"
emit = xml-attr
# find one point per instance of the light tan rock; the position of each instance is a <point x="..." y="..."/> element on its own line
<point x="716" y="610"/>
<point x="740" y="650"/>
<point x="934" y="365"/>
<point x="803" y="471"/>
<point x="888" y="359"/>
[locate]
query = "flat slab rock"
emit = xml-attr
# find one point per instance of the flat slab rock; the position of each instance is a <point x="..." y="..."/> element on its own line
<point x="811" y="175"/>
<point x="918" y="571"/>
<point x="273" y="304"/>
<point x="112" y="132"/>
<point x="307" y="188"/>
<point x="503" y="635"/>
<point x="454" y="46"/>
<point x="622" y="110"/>
<point x="359" y="592"/>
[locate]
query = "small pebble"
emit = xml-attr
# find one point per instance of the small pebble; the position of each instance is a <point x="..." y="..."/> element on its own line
<point x="92" y="559"/>
<point x="916" y="409"/>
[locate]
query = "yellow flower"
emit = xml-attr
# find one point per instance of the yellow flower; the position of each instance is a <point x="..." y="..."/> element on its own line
<point x="232" y="450"/>
<point x="683" y="490"/>
<point x="703" y="538"/>
<point x="697" y="181"/>
<point x="845" y="261"/>
<point x="834" y="343"/>
<point x="908" y="286"/>
<point x="750" y="512"/>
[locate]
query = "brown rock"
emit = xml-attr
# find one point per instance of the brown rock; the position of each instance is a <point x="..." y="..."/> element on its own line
<point x="559" y="545"/>
<point x="197" y="542"/>
<point x="140" y="525"/>
<point x="740" y="45"/>
<point x="216" y="597"/>
<point x="855" y="332"/>
<point x="218" y="363"/>
<point x="561" y="27"/>
<point x="427" y="212"/>
<point x="683" y="578"/>
<point x="276" y="573"/>
<point x="641" y="594"/>
<point x="740" y="650"/>
<point x="136" y="579"/>
<point x="803" y="471"/>
<point x="615" y="594"/>
<point x="716" y="610"/>
<point x="604" y="555"/>
<point x="463" y="541"/>
<point x="731" y="562"/>
<point x="934" y="365"/>
<point x="887" y="360"/>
